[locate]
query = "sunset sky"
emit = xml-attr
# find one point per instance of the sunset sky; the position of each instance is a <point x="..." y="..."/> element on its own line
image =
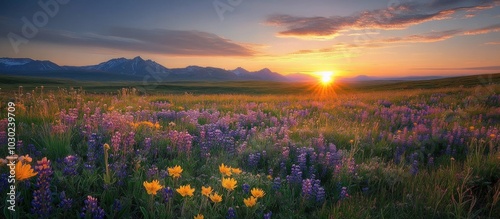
<point x="378" y="38"/>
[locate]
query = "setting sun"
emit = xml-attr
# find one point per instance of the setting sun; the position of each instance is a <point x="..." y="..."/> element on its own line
<point x="326" y="77"/>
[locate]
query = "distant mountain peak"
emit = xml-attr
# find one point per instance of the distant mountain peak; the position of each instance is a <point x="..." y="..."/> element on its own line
<point x="26" y="64"/>
<point x="138" y="58"/>
<point x="265" y="70"/>
<point x="240" y="71"/>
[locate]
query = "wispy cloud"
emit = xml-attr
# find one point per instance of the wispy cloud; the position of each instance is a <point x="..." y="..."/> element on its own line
<point x="441" y="35"/>
<point x="426" y="38"/>
<point x="484" y="30"/>
<point x="493" y="43"/>
<point x="156" y="41"/>
<point x="398" y="16"/>
<point x="478" y="68"/>
<point x="394" y="41"/>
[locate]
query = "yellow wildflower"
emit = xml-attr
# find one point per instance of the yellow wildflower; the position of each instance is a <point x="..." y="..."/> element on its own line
<point x="24" y="171"/>
<point x="236" y="170"/>
<point x="175" y="172"/>
<point x="229" y="183"/>
<point x="152" y="187"/>
<point x="225" y="170"/>
<point x="257" y="193"/>
<point x="216" y="197"/>
<point x="250" y="202"/>
<point x="199" y="216"/>
<point x="206" y="191"/>
<point x="185" y="190"/>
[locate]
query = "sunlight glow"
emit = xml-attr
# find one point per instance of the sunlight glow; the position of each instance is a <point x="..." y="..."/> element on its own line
<point x="326" y="77"/>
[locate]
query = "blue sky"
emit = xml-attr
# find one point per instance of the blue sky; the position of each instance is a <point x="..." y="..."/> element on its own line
<point x="393" y="37"/>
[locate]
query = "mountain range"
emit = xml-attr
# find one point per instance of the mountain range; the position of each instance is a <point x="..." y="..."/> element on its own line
<point x="122" y="69"/>
<point x="138" y="69"/>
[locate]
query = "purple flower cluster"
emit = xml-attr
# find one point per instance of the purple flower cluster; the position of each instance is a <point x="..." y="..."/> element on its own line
<point x="231" y="213"/>
<point x="295" y="177"/>
<point x="246" y="188"/>
<point x="92" y="147"/>
<point x="343" y="193"/>
<point x="167" y="194"/>
<point x="65" y="202"/>
<point x="181" y="141"/>
<point x="70" y="163"/>
<point x="41" y="204"/>
<point x="92" y="209"/>
<point x="313" y="191"/>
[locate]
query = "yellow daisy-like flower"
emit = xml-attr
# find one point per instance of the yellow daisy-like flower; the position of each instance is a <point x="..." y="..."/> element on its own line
<point x="250" y="202"/>
<point x="175" y="172"/>
<point x="236" y="170"/>
<point x="24" y="171"/>
<point x="185" y="190"/>
<point x="216" y="197"/>
<point x="199" y="216"/>
<point x="152" y="187"/>
<point x="229" y="183"/>
<point x="206" y="191"/>
<point x="225" y="170"/>
<point x="257" y="193"/>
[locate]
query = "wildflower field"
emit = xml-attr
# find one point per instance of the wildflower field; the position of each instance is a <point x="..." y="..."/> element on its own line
<point x="413" y="153"/>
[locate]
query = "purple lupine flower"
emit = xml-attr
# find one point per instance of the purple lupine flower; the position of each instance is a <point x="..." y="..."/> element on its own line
<point x="448" y="150"/>
<point x="92" y="209"/>
<point x="116" y="141"/>
<point x="41" y="204"/>
<point x="276" y="184"/>
<point x="167" y="193"/>
<point x="307" y="189"/>
<point x="117" y="205"/>
<point x="268" y="215"/>
<point x="152" y="171"/>
<point x="320" y="194"/>
<point x="147" y="145"/>
<point x="283" y="168"/>
<point x="246" y="188"/>
<point x="231" y="213"/>
<point x="70" y="165"/>
<point x="302" y="160"/>
<point x="129" y="142"/>
<point x="91" y="152"/>
<point x="163" y="174"/>
<point x="253" y="160"/>
<point x="65" y="202"/>
<point x="414" y="167"/>
<point x="343" y="193"/>
<point x="295" y="177"/>
<point x="120" y="170"/>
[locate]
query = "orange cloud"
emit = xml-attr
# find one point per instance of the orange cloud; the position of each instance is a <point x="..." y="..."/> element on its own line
<point x="399" y="16"/>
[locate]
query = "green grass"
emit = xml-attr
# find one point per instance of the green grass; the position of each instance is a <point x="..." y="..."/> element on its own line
<point x="465" y="185"/>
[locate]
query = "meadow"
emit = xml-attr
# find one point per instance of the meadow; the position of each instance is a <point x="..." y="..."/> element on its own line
<point x="393" y="151"/>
